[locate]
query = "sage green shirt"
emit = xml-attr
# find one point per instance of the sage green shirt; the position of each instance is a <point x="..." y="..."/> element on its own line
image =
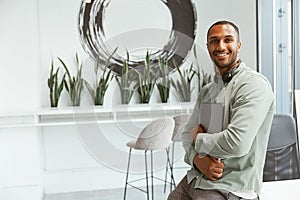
<point x="249" y="108"/>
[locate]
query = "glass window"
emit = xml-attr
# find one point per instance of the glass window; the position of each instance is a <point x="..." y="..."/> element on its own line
<point x="279" y="48"/>
<point x="296" y="43"/>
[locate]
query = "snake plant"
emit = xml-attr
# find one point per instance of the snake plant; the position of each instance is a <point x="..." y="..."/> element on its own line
<point x="183" y="85"/>
<point x="55" y="86"/>
<point x="145" y="81"/>
<point x="125" y="83"/>
<point x="163" y="80"/>
<point x="98" y="91"/>
<point x="102" y="81"/>
<point x="74" y="85"/>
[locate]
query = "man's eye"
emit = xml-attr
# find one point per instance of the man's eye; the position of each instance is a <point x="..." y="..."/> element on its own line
<point x="228" y="40"/>
<point x="214" y="41"/>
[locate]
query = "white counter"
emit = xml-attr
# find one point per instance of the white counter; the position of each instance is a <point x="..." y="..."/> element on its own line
<point x="278" y="190"/>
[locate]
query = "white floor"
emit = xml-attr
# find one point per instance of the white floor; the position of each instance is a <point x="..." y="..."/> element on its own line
<point x="115" y="194"/>
<point x="277" y="190"/>
<point x="22" y="193"/>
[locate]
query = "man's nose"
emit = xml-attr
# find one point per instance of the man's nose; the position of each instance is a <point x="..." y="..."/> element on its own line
<point x="221" y="45"/>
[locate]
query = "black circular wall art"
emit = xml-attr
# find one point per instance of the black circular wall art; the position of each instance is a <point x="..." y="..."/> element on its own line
<point x="94" y="18"/>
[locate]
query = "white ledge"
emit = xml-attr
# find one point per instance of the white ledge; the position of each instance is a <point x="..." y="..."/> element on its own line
<point x="93" y="114"/>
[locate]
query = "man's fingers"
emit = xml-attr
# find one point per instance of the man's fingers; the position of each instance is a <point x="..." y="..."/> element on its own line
<point x="219" y="171"/>
<point x="215" y="170"/>
<point x="211" y="167"/>
<point x="216" y="175"/>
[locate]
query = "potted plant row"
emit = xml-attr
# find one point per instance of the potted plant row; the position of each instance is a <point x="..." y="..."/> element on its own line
<point x="142" y="80"/>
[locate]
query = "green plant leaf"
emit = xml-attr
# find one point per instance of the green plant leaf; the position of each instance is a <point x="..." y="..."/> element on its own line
<point x="54" y="86"/>
<point x="66" y="68"/>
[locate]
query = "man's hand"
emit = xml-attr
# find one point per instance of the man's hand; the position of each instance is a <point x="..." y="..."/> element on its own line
<point x="194" y="132"/>
<point x="211" y="167"/>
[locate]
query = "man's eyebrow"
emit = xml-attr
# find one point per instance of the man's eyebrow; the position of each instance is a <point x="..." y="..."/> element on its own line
<point x="215" y="37"/>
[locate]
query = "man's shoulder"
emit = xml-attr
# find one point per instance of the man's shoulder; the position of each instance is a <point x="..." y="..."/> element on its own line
<point x="249" y="79"/>
<point x="249" y="73"/>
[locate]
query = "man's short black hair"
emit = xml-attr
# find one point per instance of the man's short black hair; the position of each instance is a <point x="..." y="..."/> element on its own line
<point x="224" y="22"/>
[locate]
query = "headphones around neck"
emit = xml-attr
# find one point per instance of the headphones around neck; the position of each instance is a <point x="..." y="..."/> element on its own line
<point x="228" y="75"/>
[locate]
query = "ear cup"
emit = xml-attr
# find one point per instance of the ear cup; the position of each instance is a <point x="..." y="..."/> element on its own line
<point x="227" y="76"/>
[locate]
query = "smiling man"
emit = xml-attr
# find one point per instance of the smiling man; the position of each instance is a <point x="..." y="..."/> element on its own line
<point x="223" y="44"/>
<point x="228" y="164"/>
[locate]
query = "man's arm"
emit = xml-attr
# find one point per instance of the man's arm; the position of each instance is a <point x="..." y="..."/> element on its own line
<point x="251" y="105"/>
<point x="207" y="165"/>
<point x="211" y="167"/>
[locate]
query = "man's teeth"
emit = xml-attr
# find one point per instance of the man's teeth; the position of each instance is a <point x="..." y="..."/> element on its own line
<point x="223" y="54"/>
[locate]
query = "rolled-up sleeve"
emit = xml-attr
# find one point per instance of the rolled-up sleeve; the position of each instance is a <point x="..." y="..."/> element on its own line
<point x="250" y="104"/>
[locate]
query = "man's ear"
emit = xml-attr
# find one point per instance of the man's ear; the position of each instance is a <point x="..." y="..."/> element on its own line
<point x="239" y="45"/>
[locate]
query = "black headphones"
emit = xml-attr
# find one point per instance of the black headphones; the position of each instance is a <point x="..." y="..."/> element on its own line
<point x="228" y="75"/>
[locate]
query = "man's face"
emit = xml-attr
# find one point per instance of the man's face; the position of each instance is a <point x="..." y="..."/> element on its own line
<point x="223" y="46"/>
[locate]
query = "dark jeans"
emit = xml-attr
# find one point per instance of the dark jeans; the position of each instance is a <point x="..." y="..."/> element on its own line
<point x="185" y="191"/>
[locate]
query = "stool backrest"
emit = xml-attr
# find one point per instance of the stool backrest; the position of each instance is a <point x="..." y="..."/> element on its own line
<point x="156" y="135"/>
<point x="180" y="122"/>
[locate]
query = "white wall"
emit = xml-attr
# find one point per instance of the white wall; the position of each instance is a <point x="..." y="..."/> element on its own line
<point x="33" y="31"/>
<point x="20" y="170"/>
<point x="20" y="167"/>
<point x="19" y="65"/>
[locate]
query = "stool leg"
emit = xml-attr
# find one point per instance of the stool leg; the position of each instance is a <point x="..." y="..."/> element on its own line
<point x="166" y="173"/>
<point x="173" y="152"/>
<point x="171" y="169"/>
<point x="126" y="182"/>
<point x="147" y="186"/>
<point x="152" y="187"/>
